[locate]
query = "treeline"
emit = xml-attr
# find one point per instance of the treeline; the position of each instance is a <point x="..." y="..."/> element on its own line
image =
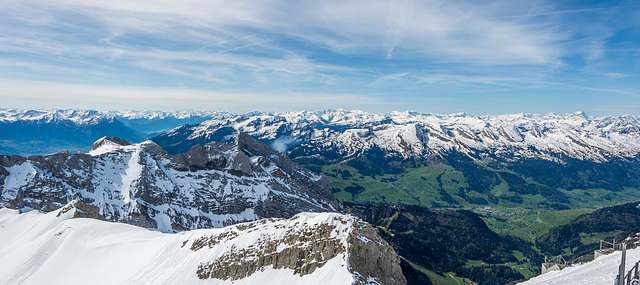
<point x="572" y="173"/>
<point x="624" y="217"/>
<point x="490" y="274"/>
<point x="482" y="179"/>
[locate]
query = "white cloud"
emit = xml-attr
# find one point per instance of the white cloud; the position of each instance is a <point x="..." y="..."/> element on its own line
<point x="616" y="75"/>
<point x="389" y="77"/>
<point x="502" y="81"/>
<point x="614" y="91"/>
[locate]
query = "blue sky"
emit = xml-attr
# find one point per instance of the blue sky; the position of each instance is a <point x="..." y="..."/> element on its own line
<point x="435" y="56"/>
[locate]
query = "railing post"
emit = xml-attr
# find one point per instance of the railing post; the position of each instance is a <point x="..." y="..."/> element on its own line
<point x="621" y="270"/>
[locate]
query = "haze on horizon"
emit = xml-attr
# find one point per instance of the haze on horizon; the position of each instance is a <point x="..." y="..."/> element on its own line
<point x="436" y="56"/>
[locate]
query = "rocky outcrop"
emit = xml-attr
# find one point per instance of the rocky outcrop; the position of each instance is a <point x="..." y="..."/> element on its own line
<point x="81" y="210"/>
<point x="211" y="185"/>
<point x="303" y="244"/>
<point x="370" y="255"/>
<point x="304" y="251"/>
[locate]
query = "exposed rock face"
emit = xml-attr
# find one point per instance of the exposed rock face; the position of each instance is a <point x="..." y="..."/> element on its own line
<point x="370" y="255"/>
<point x="302" y="244"/>
<point x="211" y="185"/>
<point x="81" y="210"/>
<point x="305" y="251"/>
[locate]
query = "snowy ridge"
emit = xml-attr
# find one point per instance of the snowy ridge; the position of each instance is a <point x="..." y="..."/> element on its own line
<point x="54" y="248"/>
<point x="603" y="270"/>
<point x="210" y="186"/>
<point x="409" y="134"/>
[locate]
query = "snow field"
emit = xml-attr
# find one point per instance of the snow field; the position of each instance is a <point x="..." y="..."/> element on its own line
<point x="38" y="248"/>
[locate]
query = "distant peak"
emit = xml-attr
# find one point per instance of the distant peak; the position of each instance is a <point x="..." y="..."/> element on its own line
<point x="580" y="114"/>
<point x="247" y="143"/>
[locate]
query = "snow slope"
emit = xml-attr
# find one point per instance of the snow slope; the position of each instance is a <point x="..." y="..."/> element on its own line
<point x="603" y="270"/>
<point x="55" y="248"/>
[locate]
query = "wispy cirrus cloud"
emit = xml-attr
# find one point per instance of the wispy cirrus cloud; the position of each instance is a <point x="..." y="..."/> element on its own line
<point x="451" y="31"/>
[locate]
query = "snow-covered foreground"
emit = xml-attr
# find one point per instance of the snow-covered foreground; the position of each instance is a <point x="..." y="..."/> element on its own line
<point x="603" y="270"/>
<point x="54" y="248"/>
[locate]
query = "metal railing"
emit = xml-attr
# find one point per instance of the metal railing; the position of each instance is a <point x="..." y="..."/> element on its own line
<point x="557" y="260"/>
<point x="632" y="277"/>
<point x="577" y="260"/>
<point x="613" y="245"/>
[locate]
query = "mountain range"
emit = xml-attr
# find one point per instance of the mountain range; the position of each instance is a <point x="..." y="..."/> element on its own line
<point x="533" y="161"/>
<point x="341" y="134"/>
<point x="214" y="185"/>
<point x="346" y="133"/>
<point x="516" y="161"/>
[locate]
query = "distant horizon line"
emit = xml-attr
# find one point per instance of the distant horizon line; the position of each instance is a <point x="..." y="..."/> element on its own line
<point x="412" y="112"/>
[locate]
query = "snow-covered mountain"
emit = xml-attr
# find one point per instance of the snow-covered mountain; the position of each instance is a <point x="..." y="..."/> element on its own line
<point x="309" y="248"/>
<point x="341" y="134"/>
<point x="214" y="185"/>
